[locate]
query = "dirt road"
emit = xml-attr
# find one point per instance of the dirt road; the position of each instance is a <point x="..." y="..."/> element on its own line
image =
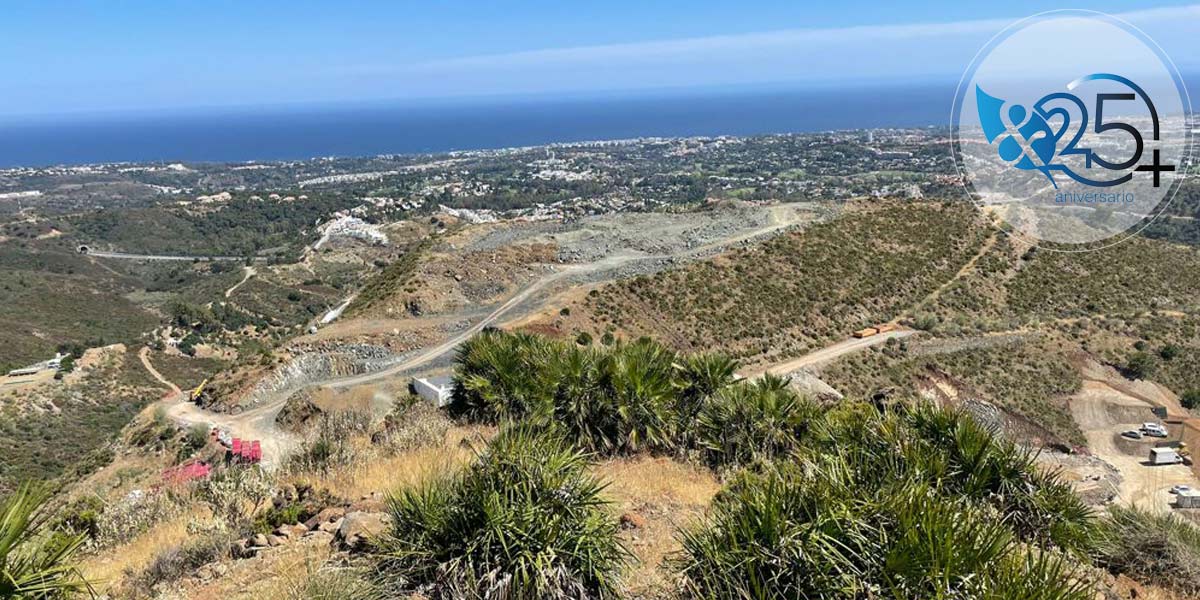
<point x="433" y="353"/>
<point x="168" y="257"/>
<point x="144" y="356"/>
<point x="259" y="422"/>
<point x="827" y="353"/>
<point x="250" y="272"/>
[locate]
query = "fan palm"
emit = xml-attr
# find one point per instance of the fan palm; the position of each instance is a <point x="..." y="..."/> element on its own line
<point x="32" y="563"/>
<point x="697" y="378"/>
<point x="526" y="520"/>
<point x="744" y="423"/>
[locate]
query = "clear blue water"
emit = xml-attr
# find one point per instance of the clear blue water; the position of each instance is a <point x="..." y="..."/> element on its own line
<point x="366" y="130"/>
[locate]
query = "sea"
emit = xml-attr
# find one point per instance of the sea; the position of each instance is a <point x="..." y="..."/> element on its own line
<point x="414" y="127"/>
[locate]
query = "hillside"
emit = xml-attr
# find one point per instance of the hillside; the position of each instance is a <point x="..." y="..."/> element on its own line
<point x="52" y="296"/>
<point x="630" y="445"/>
<point x="794" y="292"/>
<point x="686" y="496"/>
<point x="66" y="429"/>
<point x="1009" y="323"/>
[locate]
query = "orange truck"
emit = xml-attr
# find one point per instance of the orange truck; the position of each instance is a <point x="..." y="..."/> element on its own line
<point x="876" y="330"/>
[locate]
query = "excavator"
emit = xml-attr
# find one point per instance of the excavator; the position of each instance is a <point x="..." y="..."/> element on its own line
<point x="195" y="394"/>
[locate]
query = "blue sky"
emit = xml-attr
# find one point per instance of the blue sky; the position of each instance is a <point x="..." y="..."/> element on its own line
<point x="72" y="57"/>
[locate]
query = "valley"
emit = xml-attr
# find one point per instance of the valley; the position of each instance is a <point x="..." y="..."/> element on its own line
<point x="781" y="307"/>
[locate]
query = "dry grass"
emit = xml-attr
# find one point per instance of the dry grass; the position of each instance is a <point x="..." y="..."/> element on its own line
<point x="375" y="473"/>
<point x="666" y="494"/>
<point x="108" y="567"/>
<point x="274" y="573"/>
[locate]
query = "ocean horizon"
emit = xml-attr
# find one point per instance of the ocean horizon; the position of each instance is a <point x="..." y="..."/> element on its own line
<point x="297" y="133"/>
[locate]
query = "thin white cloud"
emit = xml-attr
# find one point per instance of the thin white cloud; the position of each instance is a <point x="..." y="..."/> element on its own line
<point x="688" y="49"/>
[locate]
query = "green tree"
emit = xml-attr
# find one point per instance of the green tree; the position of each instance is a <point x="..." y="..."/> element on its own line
<point x="1190" y="399"/>
<point x="1141" y="365"/>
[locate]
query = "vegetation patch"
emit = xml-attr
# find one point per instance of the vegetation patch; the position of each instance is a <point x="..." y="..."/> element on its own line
<point x="525" y="520"/>
<point x="787" y="295"/>
<point x="923" y="504"/>
<point x="618" y="399"/>
<point x="1027" y="378"/>
<point x="393" y="279"/>
<point x="1162" y="548"/>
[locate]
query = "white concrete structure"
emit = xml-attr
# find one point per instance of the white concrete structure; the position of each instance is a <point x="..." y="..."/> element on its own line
<point x="435" y="389"/>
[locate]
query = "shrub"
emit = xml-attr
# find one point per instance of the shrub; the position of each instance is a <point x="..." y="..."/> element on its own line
<point x="273" y="517"/>
<point x="413" y="423"/>
<point x="1140" y="366"/>
<point x="925" y="321"/>
<point x="525" y="520"/>
<point x="697" y="378"/>
<point x="80" y="517"/>
<point x="235" y="494"/>
<point x="335" y="584"/>
<point x="1162" y="548"/>
<point x="919" y="504"/>
<point x="124" y="520"/>
<point x="33" y="564"/>
<point x="331" y="443"/>
<point x="1190" y="399"/>
<point x="611" y="400"/>
<point x="194" y="440"/>
<point x="183" y="559"/>
<point x="745" y="423"/>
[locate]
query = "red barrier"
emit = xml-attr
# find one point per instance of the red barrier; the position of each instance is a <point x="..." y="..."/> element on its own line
<point x="186" y="473"/>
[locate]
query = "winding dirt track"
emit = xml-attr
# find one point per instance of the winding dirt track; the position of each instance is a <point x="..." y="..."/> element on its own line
<point x="144" y="356"/>
<point x="259" y="422"/>
<point x="250" y="272"/>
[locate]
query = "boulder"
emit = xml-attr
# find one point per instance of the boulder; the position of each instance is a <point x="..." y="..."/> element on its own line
<point x="632" y="521"/>
<point x="318" y="538"/>
<point x="275" y="540"/>
<point x="326" y="515"/>
<point x="358" y="528"/>
<point x="259" y="540"/>
<point x="330" y="526"/>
